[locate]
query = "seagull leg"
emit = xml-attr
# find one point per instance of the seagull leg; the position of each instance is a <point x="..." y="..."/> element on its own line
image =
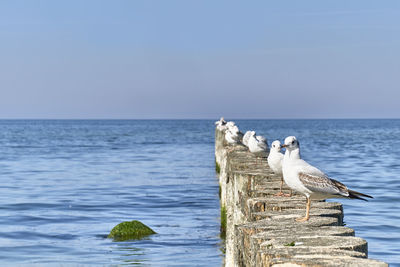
<point x="230" y="149"/>
<point x="308" y="206"/>
<point x="256" y="161"/>
<point x="290" y="194"/>
<point x="280" y="194"/>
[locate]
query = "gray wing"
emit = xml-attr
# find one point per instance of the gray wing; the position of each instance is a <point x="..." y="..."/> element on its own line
<point x="262" y="142"/>
<point x="323" y="184"/>
<point x="263" y="145"/>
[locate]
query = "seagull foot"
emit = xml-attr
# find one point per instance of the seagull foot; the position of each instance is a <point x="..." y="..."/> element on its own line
<point x="281" y="194"/>
<point x="303" y="219"/>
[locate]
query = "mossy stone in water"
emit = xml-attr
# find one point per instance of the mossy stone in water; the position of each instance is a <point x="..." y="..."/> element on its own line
<point x="130" y="230"/>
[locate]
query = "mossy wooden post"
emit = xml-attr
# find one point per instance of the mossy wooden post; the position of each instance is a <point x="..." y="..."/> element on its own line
<point x="130" y="230"/>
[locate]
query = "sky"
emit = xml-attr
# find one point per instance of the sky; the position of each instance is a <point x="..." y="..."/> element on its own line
<point x="148" y="59"/>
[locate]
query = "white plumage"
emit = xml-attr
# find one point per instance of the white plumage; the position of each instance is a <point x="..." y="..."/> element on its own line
<point x="310" y="181"/>
<point x="231" y="138"/>
<point x="246" y="138"/>
<point x="232" y="133"/>
<point x="275" y="158"/>
<point x="221" y="124"/>
<point x="257" y="144"/>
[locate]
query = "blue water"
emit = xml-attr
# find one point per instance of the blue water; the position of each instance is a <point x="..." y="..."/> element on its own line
<point x="364" y="155"/>
<point x="65" y="184"/>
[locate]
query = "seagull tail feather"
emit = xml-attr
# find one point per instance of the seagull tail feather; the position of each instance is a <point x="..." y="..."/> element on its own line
<point x="358" y="195"/>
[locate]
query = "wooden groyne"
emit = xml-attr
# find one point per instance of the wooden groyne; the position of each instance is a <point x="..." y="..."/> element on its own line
<point x="261" y="229"/>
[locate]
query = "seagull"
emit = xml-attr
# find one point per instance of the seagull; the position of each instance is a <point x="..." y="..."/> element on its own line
<point x="275" y="158"/>
<point x="231" y="137"/>
<point x="310" y="181"/>
<point x="221" y="124"/>
<point x="232" y="134"/>
<point x="258" y="145"/>
<point x="246" y="138"/>
<point x="221" y="121"/>
<point x="230" y="124"/>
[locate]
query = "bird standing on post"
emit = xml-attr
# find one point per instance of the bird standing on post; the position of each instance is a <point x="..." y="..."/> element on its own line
<point x="258" y="145"/>
<point x="310" y="181"/>
<point x="246" y="138"/>
<point x="275" y="158"/>
<point x="232" y="135"/>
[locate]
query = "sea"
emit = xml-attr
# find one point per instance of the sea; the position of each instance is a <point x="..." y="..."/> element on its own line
<point x="64" y="184"/>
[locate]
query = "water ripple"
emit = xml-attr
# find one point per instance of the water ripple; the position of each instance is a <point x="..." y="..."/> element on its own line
<point x="65" y="184"/>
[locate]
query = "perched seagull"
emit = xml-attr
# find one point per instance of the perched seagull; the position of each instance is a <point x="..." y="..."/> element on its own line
<point x="231" y="137"/>
<point x="232" y="134"/>
<point x="262" y="139"/>
<point x="275" y="158"/>
<point x="221" y="121"/>
<point x="310" y="181"/>
<point x="258" y="145"/>
<point x="230" y="124"/>
<point x="221" y="124"/>
<point x="246" y="138"/>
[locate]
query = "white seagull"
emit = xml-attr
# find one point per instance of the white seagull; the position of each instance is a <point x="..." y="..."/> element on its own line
<point x="230" y="124"/>
<point x="310" y="181"/>
<point x="257" y="145"/>
<point x="231" y="137"/>
<point x="275" y="158"/>
<point x="221" y="121"/>
<point x="232" y="134"/>
<point x="246" y="137"/>
<point x="221" y="124"/>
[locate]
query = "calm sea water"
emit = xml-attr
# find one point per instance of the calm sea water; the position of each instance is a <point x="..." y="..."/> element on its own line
<point x="65" y="184"/>
<point x="364" y="155"/>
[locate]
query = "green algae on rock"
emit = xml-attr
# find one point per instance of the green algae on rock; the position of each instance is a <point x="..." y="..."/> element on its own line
<point x="223" y="222"/>
<point x="130" y="230"/>
<point x="217" y="167"/>
<point x="292" y="244"/>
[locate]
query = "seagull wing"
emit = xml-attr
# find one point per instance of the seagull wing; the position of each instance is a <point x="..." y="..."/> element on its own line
<point x="263" y="146"/>
<point x="262" y="142"/>
<point x="323" y="184"/>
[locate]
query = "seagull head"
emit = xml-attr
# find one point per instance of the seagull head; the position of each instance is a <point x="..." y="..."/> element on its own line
<point x="291" y="143"/>
<point x="230" y="124"/>
<point x="276" y="145"/>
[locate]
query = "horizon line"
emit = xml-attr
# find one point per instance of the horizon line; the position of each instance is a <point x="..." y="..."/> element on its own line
<point x="216" y="118"/>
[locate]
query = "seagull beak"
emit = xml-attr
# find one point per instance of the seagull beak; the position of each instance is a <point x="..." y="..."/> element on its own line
<point x="282" y="146"/>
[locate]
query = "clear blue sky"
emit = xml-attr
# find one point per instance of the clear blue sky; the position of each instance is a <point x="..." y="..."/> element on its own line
<point x="199" y="59"/>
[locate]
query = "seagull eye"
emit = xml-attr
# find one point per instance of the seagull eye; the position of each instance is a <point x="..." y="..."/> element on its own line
<point x="292" y="142"/>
